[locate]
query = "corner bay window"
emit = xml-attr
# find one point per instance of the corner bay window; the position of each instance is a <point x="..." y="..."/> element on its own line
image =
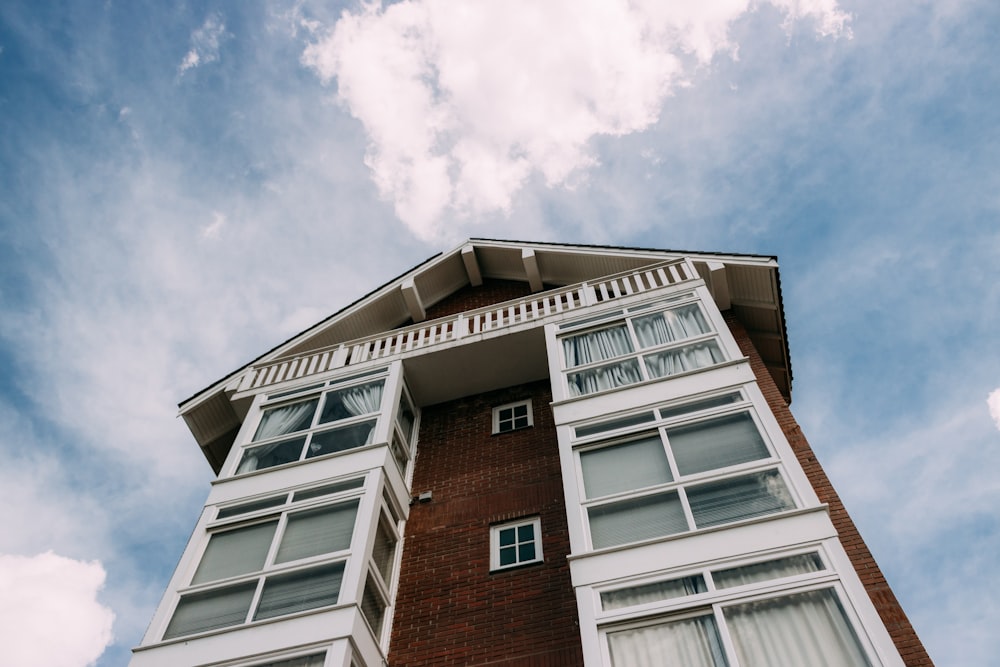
<point x="681" y="477"/>
<point x="269" y="566"/>
<point x="668" y="342"/>
<point x="755" y="626"/>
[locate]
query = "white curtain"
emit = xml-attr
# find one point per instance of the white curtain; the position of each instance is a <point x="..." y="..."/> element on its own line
<point x="596" y="346"/>
<point x="286" y="419"/>
<point x="671" y="325"/>
<point x="687" y="358"/>
<point x="352" y="402"/>
<point x="268" y="456"/>
<point x="768" y="570"/>
<point x="604" y="378"/>
<point x="692" y="642"/>
<point x="796" y="630"/>
<point x="660" y="590"/>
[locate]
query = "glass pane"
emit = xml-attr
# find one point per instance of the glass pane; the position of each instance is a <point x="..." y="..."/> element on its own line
<point x="717" y="443"/>
<point x="636" y="519"/>
<point x="802" y="629"/>
<point x="691" y="642"/>
<point x="630" y="465"/>
<point x="604" y="378"/>
<point x="316" y="532"/>
<point x="714" y="402"/>
<point x="234" y="552"/>
<point x="305" y="661"/>
<point x="352" y="402"/>
<point x="373" y="607"/>
<point x="526" y="552"/>
<point x="508" y="555"/>
<point x="329" y="489"/>
<point x="246" y="508"/>
<point x="384" y="551"/>
<point x="286" y="419"/>
<point x="670" y="325"/>
<point x="768" y="570"/>
<point x="405" y="418"/>
<point x="301" y="590"/>
<point x="738" y="498"/>
<point x="211" y="610"/>
<point x="341" y="439"/>
<point x="655" y="592"/>
<point x="615" y="424"/>
<point x="268" y="456"/>
<point x="525" y="533"/>
<point x="681" y="359"/>
<point x="507" y="536"/>
<point x="595" y="346"/>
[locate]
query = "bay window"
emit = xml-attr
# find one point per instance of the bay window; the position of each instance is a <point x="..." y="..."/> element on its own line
<point x="687" y="474"/>
<point x="319" y="419"/>
<point x="784" y="612"/>
<point x="640" y="345"/>
<point x="270" y="562"/>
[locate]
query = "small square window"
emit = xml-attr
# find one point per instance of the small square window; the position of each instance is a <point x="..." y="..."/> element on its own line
<point x="513" y="544"/>
<point x="512" y="416"/>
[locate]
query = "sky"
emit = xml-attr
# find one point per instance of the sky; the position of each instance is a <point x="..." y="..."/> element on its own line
<point x="185" y="185"/>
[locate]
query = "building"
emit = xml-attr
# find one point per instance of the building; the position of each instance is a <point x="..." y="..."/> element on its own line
<point x="532" y="455"/>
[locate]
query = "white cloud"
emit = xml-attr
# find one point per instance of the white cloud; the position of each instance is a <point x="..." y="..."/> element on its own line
<point x="49" y="611"/>
<point x="994" y="405"/>
<point x="205" y="43"/>
<point x="463" y="104"/>
<point x="213" y="229"/>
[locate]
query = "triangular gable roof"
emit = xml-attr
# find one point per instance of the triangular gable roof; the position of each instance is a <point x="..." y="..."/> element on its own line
<point x="746" y="283"/>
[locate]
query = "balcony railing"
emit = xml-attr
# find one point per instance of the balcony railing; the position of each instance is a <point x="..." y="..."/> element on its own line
<point x="482" y="321"/>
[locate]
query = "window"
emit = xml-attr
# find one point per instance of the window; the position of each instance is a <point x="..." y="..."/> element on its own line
<point x="514" y="544"/>
<point x="644" y="346"/>
<point x="766" y="625"/>
<point x="293" y="429"/>
<point x="683" y="476"/>
<point x="512" y="416"/>
<point x="270" y="564"/>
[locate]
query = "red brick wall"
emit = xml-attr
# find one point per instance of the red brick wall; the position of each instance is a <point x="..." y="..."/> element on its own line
<point x="469" y="297"/>
<point x="909" y="645"/>
<point x="450" y="610"/>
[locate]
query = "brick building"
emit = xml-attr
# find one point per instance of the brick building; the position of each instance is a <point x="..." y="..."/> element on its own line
<point x="524" y="454"/>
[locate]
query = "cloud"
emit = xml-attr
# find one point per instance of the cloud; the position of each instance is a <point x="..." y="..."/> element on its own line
<point x="205" y="43"/>
<point x="994" y="405"/>
<point x="463" y="104"/>
<point x="50" y="613"/>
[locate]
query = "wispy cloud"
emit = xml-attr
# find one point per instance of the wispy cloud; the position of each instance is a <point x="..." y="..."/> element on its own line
<point x="205" y="43"/>
<point x="464" y="105"/>
<point x="993" y="403"/>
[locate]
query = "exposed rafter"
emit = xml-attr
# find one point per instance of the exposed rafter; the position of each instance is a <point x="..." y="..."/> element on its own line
<point x="531" y="269"/>
<point x="413" y="302"/>
<point x="472" y="266"/>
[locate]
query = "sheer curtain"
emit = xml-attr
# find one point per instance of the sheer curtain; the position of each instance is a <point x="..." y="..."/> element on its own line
<point x="352" y="402"/>
<point x="660" y="590"/>
<point x="687" y="358"/>
<point x="596" y="346"/>
<point x="802" y="629"/>
<point x="286" y="419"/>
<point x="692" y="642"/>
<point x="604" y="378"/>
<point x="768" y="570"/>
<point x="268" y="456"/>
<point x="670" y="325"/>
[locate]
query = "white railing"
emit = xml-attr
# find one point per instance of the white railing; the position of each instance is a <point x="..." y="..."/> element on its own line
<point x="470" y="323"/>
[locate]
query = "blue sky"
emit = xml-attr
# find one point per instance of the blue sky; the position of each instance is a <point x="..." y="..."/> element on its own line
<point x="182" y="186"/>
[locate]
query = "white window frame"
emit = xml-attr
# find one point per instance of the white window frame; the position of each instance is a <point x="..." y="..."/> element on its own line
<point x="536" y="523"/>
<point x="679" y="484"/>
<point x="716" y="600"/>
<point x="624" y="317"/>
<point x="498" y="418"/>
<point x="259" y="578"/>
